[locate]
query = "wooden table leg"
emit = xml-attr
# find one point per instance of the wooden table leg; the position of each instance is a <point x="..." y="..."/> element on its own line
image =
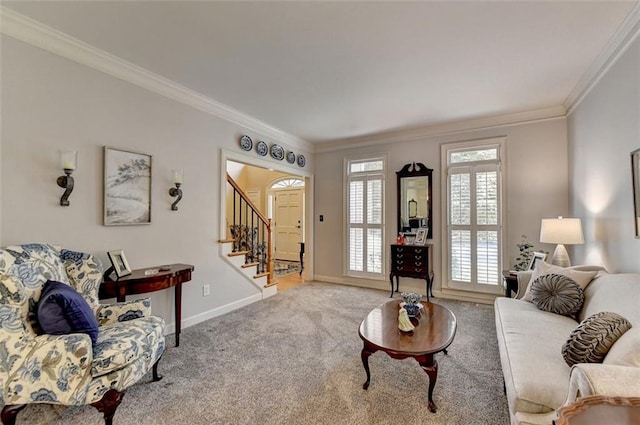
<point x="178" y="300"/>
<point x="430" y="366"/>
<point x="364" y="355"/>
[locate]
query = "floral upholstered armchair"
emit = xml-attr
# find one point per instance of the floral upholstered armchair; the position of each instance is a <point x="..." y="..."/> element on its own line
<point x="69" y="369"/>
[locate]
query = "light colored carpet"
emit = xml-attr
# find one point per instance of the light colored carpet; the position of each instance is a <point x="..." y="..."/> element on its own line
<point x="295" y="359"/>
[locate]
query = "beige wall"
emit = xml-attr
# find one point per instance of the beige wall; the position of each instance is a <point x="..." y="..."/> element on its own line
<point x="50" y="103"/>
<point x="536" y="183"/>
<point x="603" y="129"/>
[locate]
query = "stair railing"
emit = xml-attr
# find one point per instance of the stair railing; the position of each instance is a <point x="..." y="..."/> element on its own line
<point x="251" y="232"/>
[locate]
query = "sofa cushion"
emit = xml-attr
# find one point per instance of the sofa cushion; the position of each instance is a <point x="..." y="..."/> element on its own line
<point x="591" y="340"/>
<point x="62" y="310"/>
<point x="535" y="374"/>
<point x="121" y="343"/>
<point x="626" y="350"/>
<point x="556" y="293"/>
<point x="582" y="278"/>
<point x="617" y="292"/>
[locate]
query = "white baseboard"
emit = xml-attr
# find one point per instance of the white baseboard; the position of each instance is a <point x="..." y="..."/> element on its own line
<point x="415" y="285"/>
<point x="194" y="320"/>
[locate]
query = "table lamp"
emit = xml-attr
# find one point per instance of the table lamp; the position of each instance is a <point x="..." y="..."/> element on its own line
<point x="561" y="231"/>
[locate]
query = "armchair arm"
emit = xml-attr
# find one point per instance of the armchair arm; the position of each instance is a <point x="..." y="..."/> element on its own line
<point x="52" y="368"/>
<point x="121" y="312"/>
<point x="603" y="379"/>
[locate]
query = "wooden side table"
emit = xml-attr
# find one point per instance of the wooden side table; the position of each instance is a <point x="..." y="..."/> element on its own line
<point x="600" y="410"/>
<point x="139" y="283"/>
<point x="510" y="283"/>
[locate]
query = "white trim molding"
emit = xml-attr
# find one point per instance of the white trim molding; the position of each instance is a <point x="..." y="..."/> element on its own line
<point x="35" y="33"/>
<point x="449" y="128"/>
<point x="621" y="40"/>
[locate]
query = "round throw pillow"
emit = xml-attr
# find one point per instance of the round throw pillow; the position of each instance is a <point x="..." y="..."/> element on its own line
<point x="591" y="340"/>
<point x="558" y="294"/>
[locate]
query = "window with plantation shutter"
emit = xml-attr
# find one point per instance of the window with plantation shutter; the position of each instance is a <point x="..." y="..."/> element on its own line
<point x="365" y="217"/>
<point x="474" y="217"/>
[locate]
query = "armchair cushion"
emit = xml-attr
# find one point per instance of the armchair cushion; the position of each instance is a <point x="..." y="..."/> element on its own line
<point x="62" y="310"/>
<point x="121" y="343"/>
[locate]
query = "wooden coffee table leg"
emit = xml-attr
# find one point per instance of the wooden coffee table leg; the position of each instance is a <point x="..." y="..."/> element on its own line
<point x="364" y="355"/>
<point x="430" y="366"/>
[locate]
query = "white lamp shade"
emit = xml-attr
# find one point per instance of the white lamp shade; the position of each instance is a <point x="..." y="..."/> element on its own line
<point x="561" y="231"/>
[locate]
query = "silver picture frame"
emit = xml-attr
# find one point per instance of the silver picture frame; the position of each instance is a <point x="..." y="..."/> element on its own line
<point x="127" y="187"/>
<point x="119" y="263"/>
<point x="536" y="258"/>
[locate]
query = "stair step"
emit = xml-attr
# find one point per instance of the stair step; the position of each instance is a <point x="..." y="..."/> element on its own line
<point x="258" y="275"/>
<point x="275" y="282"/>
<point x="247" y="265"/>
<point x="226" y="241"/>
<point x="237" y="253"/>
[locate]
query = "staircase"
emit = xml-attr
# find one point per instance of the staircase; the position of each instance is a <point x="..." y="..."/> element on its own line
<point x="249" y="247"/>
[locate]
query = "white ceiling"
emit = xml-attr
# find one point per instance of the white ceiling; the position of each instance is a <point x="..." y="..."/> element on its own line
<point x="324" y="71"/>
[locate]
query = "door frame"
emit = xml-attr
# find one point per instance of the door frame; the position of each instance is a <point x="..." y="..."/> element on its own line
<point x="273" y="192"/>
<point x="307" y="176"/>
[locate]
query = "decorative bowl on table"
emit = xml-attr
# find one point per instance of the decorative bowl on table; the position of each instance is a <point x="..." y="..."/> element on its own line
<point x="411" y="297"/>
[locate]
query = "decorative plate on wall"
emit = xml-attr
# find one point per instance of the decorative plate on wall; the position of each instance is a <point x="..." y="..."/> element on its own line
<point x="277" y="152"/>
<point x="291" y="157"/>
<point x="301" y="160"/>
<point x="246" y="143"/>
<point x="262" y="148"/>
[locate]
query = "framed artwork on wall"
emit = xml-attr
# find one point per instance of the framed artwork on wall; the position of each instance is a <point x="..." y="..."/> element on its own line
<point x="635" y="176"/>
<point x="127" y="187"/>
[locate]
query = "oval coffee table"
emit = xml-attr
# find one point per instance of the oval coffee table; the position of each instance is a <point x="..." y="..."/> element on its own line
<point x="434" y="332"/>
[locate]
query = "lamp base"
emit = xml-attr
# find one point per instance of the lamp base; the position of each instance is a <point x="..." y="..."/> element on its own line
<point x="561" y="256"/>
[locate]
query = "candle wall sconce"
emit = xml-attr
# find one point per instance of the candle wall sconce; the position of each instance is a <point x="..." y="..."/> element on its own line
<point x="68" y="163"/>
<point x="178" y="176"/>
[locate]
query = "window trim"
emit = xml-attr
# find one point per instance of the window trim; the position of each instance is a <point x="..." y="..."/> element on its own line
<point x="384" y="157"/>
<point x="445" y="148"/>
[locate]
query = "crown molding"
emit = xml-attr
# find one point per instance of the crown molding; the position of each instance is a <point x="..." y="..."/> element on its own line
<point x="37" y="34"/>
<point x="454" y="127"/>
<point x="617" y="45"/>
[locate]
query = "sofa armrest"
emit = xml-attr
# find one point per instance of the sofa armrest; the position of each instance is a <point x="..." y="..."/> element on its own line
<point x="121" y="312"/>
<point x="51" y="365"/>
<point x="603" y="379"/>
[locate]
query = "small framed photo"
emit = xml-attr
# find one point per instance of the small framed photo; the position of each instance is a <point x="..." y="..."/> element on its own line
<point x="538" y="257"/>
<point x="119" y="263"/>
<point x="421" y="237"/>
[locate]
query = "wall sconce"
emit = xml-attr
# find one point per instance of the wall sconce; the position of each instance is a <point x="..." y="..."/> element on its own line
<point x="68" y="162"/>
<point x="178" y="176"/>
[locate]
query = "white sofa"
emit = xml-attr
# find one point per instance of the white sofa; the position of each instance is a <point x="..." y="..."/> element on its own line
<point x="537" y="379"/>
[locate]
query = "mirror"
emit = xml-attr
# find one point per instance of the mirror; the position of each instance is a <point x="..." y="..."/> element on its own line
<point x="414" y="199"/>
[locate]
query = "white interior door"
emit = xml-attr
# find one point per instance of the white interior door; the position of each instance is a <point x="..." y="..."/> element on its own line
<point x="288" y="208"/>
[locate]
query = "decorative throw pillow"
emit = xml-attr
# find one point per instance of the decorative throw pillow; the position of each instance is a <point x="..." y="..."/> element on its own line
<point x="558" y="294"/>
<point x="582" y="278"/>
<point x="62" y="310"/>
<point x="591" y="340"/>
